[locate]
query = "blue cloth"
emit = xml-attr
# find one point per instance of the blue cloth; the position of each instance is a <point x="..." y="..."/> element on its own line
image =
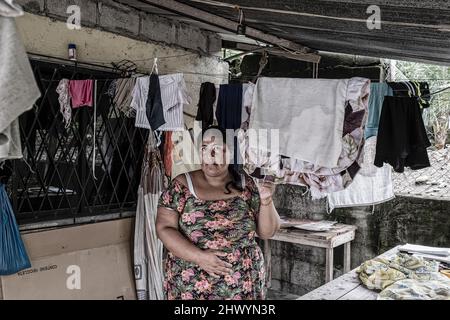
<point x="229" y="106"/>
<point x="377" y="93"/>
<point x="229" y="113"/>
<point x="13" y="255"/>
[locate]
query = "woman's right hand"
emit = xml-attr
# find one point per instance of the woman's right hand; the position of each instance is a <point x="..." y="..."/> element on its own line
<point x="210" y="262"/>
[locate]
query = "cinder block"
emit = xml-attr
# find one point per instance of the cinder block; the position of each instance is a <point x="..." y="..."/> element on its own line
<point x="118" y="19"/>
<point x="88" y="9"/>
<point x="33" y="6"/>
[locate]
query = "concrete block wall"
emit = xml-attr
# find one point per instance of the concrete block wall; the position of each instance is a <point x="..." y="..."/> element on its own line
<point x="300" y="269"/>
<point x="120" y="19"/>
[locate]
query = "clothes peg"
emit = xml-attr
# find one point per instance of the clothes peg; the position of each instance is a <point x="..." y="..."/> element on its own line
<point x="155" y="66"/>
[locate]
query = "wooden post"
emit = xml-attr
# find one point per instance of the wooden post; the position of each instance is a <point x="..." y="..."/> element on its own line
<point x="347" y="257"/>
<point x="329" y="265"/>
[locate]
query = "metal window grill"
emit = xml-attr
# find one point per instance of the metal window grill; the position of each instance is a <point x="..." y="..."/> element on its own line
<point x="55" y="179"/>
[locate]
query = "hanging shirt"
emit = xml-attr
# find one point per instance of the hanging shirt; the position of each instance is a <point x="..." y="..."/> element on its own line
<point x="139" y="101"/>
<point x="121" y="92"/>
<point x="173" y="95"/>
<point x="18" y="88"/>
<point x="81" y="93"/>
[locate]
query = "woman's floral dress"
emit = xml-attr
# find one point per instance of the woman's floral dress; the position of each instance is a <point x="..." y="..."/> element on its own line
<point x="226" y="225"/>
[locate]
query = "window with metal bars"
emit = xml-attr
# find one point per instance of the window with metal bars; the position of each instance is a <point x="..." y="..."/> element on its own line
<point x="56" y="179"/>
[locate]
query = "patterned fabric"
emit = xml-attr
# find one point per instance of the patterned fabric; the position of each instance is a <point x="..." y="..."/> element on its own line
<point x="64" y="101"/>
<point x="411" y="289"/>
<point x="227" y="225"/>
<point x="321" y="180"/>
<point x="380" y="273"/>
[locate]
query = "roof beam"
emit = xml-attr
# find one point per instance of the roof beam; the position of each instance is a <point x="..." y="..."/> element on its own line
<point x="305" y="53"/>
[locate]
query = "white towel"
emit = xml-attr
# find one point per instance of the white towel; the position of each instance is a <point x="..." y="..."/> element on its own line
<point x="309" y="114"/>
<point x="366" y="189"/>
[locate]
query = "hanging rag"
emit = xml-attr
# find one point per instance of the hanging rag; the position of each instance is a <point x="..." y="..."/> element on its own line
<point x="123" y="95"/>
<point x="229" y="114"/>
<point x="263" y="160"/>
<point x="168" y="153"/>
<point x="13" y="255"/>
<point x="377" y="93"/>
<point x="64" y="101"/>
<point x="229" y="106"/>
<point x="402" y="138"/>
<point x="148" y="249"/>
<point x="365" y="190"/>
<point x="247" y="100"/>
<point x="10" y="144"/>
<point x="18" y="88"/>
<point x="80" y="92"/>
<point x="205" y="112"/>
<point x="10" y="9"/>
<point x="308" y="114"/>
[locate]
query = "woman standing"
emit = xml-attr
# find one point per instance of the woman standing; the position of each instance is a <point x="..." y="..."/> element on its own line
<point x="208" y="220"/>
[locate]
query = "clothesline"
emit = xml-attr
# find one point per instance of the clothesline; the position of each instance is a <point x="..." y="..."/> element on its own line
<point x="143" y="75"/>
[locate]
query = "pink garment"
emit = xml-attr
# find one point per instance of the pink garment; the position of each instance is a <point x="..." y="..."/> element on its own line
<point x="81" y="93"/>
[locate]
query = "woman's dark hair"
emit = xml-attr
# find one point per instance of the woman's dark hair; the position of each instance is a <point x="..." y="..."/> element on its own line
<point x="233" y="168"/>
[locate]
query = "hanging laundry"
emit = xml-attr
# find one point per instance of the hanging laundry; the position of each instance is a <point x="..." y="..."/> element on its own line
<point x="402" y="138"/>
<point x="64" y="101"/>
<point x="247" y="100"/>
<point x="229" y="106"/>
<point x="81" y="92"/>
<point x="18" y="87"/>
<point x="139" y="101"/>
<point x="173" y="95"/>
<point x="10" y="145"/>
<point x="377" y="93"/>
<point x="10" y="9"/>
<point x="13" y="255"/>
<point x="148" y="249"/>
<point x="154" y="107"/>
<point x="185" y="155"/>
<point x="420" y="90"/>
<point x="205" y="112"/>
<point x="168" y="153"/>
<point x="309" y="114"/>
<point x="279" y="168"/>
<point x="122" y="94"/>
<point x="365" y="190"/>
